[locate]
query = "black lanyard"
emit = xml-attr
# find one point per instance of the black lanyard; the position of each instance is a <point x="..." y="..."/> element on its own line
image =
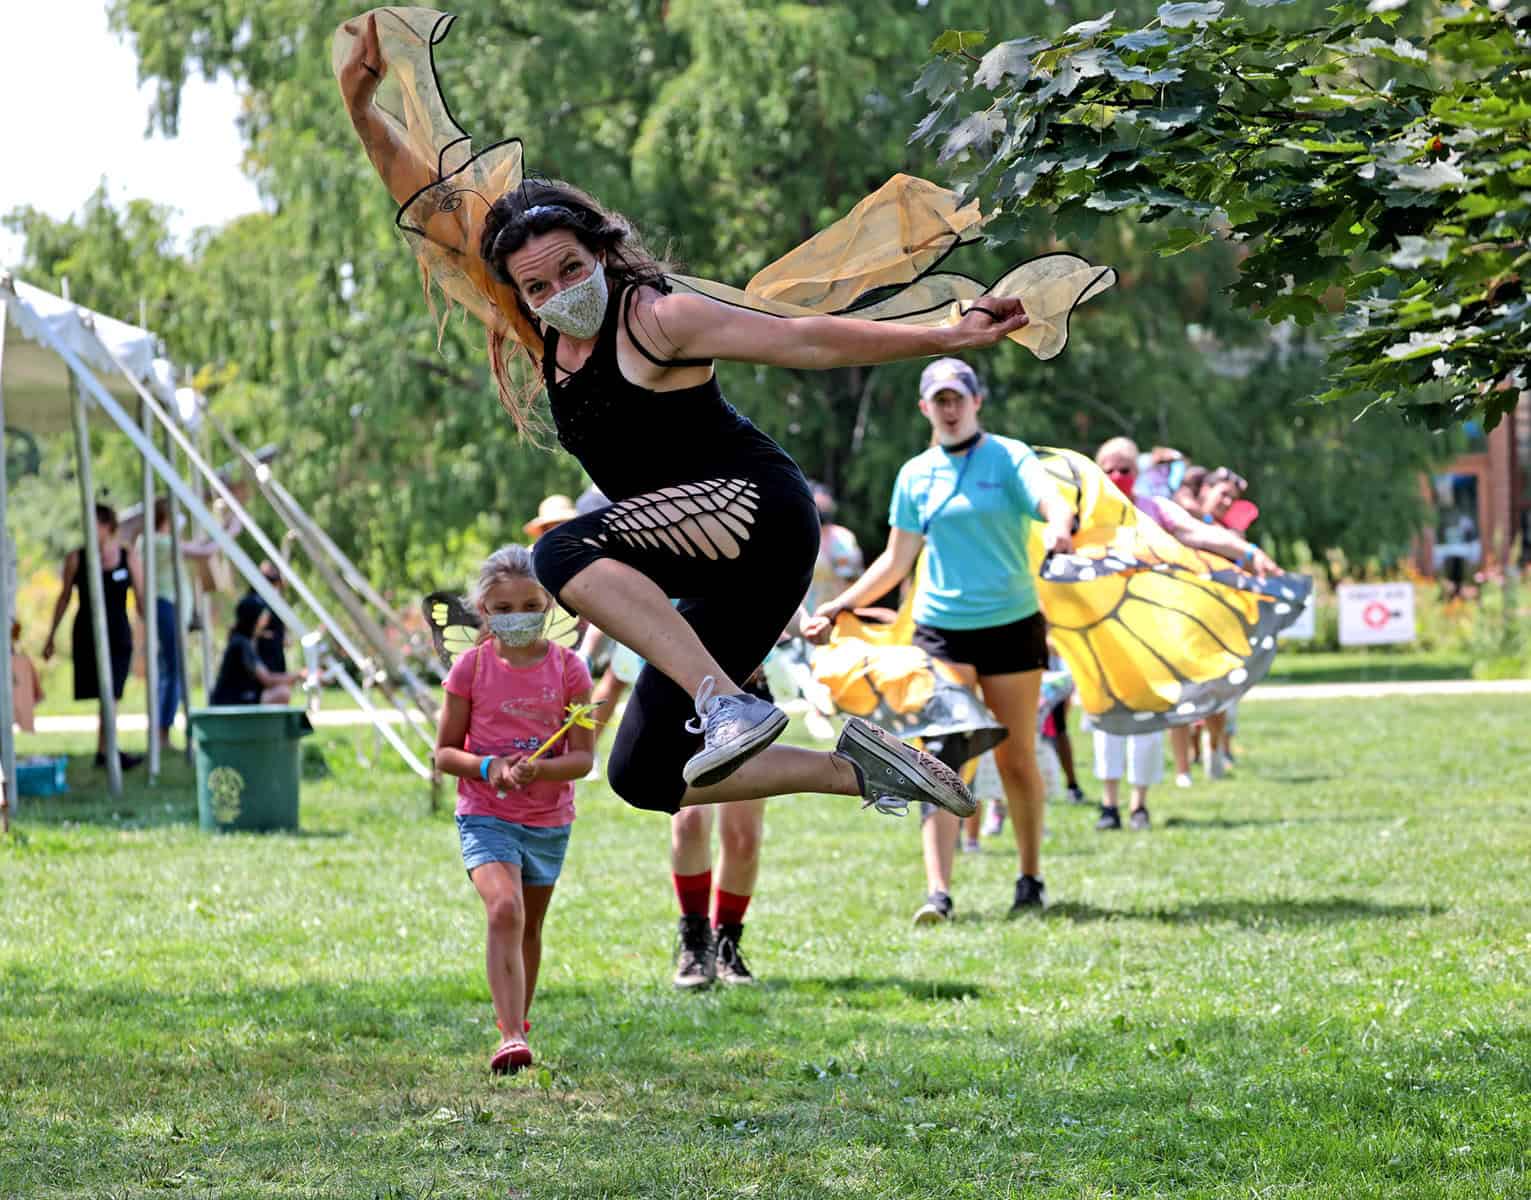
<point x="956" y="487"/>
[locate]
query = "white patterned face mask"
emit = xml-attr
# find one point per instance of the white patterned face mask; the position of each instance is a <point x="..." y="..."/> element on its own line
<point x="519" y="628"/>
<point x="578" y="310"/>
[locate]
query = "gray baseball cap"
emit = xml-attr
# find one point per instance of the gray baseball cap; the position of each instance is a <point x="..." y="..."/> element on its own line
<point x="950" y="373"/>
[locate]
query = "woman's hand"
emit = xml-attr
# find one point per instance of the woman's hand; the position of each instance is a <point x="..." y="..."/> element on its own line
<point x="363" y="70"/>
<point x="1058" y="538"/>
<point x="817" y="628"/>
<point x="1260" y="563"/>
<point x="988" y="321"/>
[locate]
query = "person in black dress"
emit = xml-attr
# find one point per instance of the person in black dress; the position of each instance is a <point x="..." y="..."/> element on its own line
<point x="120" y="572"/>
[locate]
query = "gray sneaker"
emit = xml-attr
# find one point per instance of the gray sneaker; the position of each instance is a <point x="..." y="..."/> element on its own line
<point x="894" y="775"/>
<point x="735" y="729"/>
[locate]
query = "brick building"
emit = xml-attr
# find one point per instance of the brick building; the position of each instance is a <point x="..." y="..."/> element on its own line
<point x="1483" y="500"/>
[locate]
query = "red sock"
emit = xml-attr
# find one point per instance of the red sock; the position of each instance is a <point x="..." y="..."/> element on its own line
<point x="728" y="908"/>
<point x="692" y="892"/>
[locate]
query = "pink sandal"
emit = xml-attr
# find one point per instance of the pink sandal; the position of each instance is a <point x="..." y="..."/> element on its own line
<point x="512" y="1056"/>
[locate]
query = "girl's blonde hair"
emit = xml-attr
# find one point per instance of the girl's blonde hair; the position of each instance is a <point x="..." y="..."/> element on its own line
<point x="508" y="562"/>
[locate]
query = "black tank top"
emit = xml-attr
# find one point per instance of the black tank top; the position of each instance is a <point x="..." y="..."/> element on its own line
<point x="630" y="439"/>
<point x="116" y="579"/>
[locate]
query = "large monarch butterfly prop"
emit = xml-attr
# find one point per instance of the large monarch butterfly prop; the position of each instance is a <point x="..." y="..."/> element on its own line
<point x="870" y="671"/>
<point x="456" y="628"/>
<point x="1154" y="633"/>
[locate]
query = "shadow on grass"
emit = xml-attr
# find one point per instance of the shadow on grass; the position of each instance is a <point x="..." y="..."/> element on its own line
<point x="169" y="801"/>
<point x="915" y="989"/>
<point x="138" y="808"/>
<point x="1251" y="914"/>
<point x="1258" y="822"/>
<point x="623" y="1081"/>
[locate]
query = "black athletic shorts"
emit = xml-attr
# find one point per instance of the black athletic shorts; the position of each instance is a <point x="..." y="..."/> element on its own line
<point x="997" y="650"/>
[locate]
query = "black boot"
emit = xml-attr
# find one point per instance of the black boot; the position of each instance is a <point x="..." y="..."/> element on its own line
<point x="695" y="956"/>
<point x="731" y="967"/>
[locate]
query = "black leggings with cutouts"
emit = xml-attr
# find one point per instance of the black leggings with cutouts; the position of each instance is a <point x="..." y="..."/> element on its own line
<point x="736" y="550"/>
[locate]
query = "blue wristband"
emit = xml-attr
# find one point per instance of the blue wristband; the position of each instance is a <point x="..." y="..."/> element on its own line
<point x="483" y="767"/>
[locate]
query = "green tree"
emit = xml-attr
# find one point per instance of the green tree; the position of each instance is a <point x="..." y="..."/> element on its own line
<point x="729" y="129"/>
<point x="1350" y="162"/>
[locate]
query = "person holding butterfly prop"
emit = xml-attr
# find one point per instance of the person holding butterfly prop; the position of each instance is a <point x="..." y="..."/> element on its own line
<point x="967" y="502"/>
<point x="706" y="508"/>
<point x="503" y="733"/>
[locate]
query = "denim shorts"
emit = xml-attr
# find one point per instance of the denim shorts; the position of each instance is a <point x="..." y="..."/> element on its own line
<point x="537" y="849"/>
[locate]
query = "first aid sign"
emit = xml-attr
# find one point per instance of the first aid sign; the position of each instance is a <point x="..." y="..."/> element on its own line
<point x="1376" y="614"/>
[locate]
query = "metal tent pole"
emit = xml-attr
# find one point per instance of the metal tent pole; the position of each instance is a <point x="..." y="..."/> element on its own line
<point x="323" y="555"/>
<point x="91" y="565"/>
<point x="148" y="603"/>
<point x="182" y="591"/>
<point x="204" y="601"/>
<point x="7" y="601"/>
<point x="258" y="581"/>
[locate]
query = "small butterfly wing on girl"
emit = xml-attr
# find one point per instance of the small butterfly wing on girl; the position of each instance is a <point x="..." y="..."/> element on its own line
<point x="507" y="698"/>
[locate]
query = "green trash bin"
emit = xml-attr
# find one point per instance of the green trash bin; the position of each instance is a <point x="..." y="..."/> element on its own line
<point x="247" y="765"/>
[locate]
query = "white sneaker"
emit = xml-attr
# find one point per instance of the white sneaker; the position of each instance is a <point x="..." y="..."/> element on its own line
<point x="1183" y="780"/>
<point x="735" y="728"/>
<point x="936" y="910"/>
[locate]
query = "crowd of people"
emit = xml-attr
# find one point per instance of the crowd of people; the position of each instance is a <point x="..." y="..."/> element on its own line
<point x="700" y="546"/>
<point x="965" y="503"/>
<point x="252" y="667"/>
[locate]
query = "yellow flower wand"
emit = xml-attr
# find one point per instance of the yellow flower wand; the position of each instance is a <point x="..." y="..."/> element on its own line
<point x="579" y="714"/>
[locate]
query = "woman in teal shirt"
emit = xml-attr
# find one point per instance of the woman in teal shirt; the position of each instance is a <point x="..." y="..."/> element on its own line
<point x="968" y="501"/>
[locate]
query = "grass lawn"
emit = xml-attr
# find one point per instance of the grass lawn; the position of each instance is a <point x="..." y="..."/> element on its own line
<point x="1383" y="665"/>
<point x="1311" y="979"/>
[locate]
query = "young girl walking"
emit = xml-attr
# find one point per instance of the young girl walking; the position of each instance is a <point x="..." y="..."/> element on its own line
<point x="504" y="699"/>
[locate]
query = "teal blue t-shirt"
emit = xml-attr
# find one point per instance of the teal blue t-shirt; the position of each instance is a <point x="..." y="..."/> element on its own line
<point x="977" y="572"/>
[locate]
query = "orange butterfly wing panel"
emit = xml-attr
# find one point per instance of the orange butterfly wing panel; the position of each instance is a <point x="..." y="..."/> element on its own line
<point x="1154" y="633"/>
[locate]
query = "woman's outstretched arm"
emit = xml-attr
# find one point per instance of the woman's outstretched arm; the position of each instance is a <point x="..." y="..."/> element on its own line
<point x="698" y="327"/>
<point x="402" y="170"/>
<point x="888" y="569"/>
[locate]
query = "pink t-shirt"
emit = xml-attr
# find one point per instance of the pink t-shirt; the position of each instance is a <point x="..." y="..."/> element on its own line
<point x="517" y="708"/>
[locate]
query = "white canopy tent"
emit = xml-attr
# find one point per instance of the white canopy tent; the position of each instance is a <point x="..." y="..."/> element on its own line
<point x="58" y="358"/>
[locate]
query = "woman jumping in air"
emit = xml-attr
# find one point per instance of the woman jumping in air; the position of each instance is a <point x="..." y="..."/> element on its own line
<point x="706" y="508"/>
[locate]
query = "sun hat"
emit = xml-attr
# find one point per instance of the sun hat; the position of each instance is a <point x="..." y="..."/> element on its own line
<point x="554" y="510"/>
<point x="950" y="373"/>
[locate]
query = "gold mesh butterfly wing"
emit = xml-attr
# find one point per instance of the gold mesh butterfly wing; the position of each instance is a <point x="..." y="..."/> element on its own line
<point x="888" y="259"/>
